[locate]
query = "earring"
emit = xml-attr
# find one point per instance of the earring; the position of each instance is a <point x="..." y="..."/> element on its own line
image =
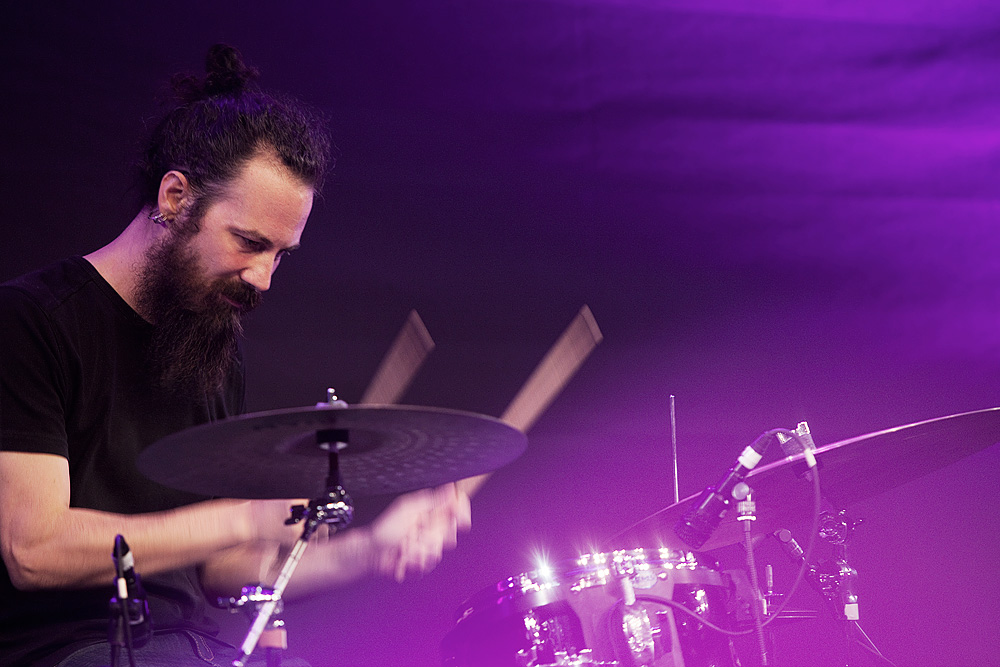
<point x="158" y="217"/>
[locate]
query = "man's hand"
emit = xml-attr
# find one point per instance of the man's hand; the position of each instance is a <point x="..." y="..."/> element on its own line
<point x="268" y="521"/>
<point x="413" y="532"/>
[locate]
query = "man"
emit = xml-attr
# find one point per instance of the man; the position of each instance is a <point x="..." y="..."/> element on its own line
<point x="105" y="354"/>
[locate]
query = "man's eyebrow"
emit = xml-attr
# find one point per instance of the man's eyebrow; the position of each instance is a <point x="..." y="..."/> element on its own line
<point x="260" y="238"/>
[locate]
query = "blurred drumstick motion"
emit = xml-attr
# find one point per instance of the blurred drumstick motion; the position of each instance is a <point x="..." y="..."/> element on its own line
<point x="400" y="365"/>
<point x="560" y="364"/>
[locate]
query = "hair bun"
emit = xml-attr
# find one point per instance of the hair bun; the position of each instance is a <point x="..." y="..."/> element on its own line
<point x="226" y="74"/>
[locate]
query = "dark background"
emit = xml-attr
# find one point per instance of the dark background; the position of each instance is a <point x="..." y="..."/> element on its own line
<point x="777" y="211"/>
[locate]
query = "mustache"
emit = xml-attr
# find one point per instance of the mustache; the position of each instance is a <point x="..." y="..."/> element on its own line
<point x="245" y="296"/>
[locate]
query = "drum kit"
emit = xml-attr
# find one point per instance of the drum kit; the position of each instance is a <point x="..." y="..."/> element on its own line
<point x="634" y="604"/>
<point x="653" y="598"/>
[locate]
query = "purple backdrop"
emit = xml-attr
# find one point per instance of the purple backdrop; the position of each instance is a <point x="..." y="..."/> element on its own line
<point x="776" y="211"/>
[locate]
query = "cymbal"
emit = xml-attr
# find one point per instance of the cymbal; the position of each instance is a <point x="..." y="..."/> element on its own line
<point x="389" y="449"/>
<point x="849" y="471"/>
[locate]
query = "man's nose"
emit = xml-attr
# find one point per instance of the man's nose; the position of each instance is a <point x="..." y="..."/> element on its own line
<point x="259" y="273"/>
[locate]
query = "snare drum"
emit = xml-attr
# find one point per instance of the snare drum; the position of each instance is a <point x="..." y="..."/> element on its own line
<point x="600" y="609"/>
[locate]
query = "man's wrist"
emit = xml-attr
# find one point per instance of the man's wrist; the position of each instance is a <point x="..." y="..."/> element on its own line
<point x="360" y="550"/>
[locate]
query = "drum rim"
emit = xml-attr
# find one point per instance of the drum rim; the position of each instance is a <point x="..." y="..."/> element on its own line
<point x="570" y="576"/>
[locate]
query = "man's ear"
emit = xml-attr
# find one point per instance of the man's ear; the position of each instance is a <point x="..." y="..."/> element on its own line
<point x="174" y="195"/>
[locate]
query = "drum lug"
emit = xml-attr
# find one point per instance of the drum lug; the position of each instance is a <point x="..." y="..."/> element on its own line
<point x="638" y="633"/>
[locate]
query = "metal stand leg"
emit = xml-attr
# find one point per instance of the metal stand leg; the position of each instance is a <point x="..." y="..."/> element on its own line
<point x="274" y="641"/>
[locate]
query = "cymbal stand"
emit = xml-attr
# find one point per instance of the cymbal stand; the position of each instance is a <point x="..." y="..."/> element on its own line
<point x="838" y="579"/>
<point x="335" y="509"/>
<point x="835" y="580"/>
<point x="837" y="529"/>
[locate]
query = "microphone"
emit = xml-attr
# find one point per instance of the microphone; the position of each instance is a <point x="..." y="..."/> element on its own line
<point x="822" y="583"/>
<point x="130" y="594"/>
<point x="804" y="445"/>
<point x="790" y="546"/>
<point x="699" y="522"/>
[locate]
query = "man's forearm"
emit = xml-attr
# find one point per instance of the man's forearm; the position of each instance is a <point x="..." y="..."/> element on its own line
<point x="72" y="549"/>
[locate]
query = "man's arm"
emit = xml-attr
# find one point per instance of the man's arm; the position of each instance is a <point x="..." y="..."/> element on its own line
<point x="46" y="544"/>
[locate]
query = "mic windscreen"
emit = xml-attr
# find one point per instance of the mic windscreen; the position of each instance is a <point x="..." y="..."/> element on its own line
<point x="699" y="522"/>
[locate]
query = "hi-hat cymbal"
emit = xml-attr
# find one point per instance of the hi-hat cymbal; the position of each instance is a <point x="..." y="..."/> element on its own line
<point x="389" y="449"/>
<point x="850" y="470"/>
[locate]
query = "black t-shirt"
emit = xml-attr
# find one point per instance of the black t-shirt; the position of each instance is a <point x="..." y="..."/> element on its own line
<point x="73" y="383"/>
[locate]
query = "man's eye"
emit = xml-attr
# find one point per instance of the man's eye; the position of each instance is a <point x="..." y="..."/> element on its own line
<point x="250" y="244"/>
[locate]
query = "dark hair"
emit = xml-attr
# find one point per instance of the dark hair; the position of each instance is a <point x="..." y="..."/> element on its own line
<point x="221" y="121"/>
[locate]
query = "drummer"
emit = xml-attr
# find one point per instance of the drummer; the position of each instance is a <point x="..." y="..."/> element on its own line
<point x="105" y="354"/>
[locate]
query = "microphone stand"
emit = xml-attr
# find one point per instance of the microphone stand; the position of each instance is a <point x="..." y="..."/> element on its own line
<point x="126" y="607"/>
<point x="118" y="627"/>
<point x="746" y="509"/>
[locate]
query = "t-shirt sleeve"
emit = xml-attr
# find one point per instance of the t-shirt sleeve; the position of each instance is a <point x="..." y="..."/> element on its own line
<point x="32" y="378"/>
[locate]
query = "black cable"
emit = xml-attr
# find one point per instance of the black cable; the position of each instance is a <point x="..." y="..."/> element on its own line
<point x="693" y="614"/>
<point x="869" y="645"/>
<point x="817" y="505"/>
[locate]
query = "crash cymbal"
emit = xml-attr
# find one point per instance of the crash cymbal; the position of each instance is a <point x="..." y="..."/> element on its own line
<point x="389" y="449"/>
<point x="850" y="470"/>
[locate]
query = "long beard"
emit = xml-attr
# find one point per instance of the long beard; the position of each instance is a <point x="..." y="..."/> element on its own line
<point x="195" y="341"/>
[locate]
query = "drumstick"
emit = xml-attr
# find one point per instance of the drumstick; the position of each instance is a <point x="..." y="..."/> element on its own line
<point x="400" y="364"/>
<point x="560" y="364"/>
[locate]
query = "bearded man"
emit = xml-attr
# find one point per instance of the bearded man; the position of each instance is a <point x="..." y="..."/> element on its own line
<point x="105" y="354"/>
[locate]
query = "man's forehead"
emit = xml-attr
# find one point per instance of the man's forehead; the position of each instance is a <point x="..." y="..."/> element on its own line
<point x="269" y="202"/>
